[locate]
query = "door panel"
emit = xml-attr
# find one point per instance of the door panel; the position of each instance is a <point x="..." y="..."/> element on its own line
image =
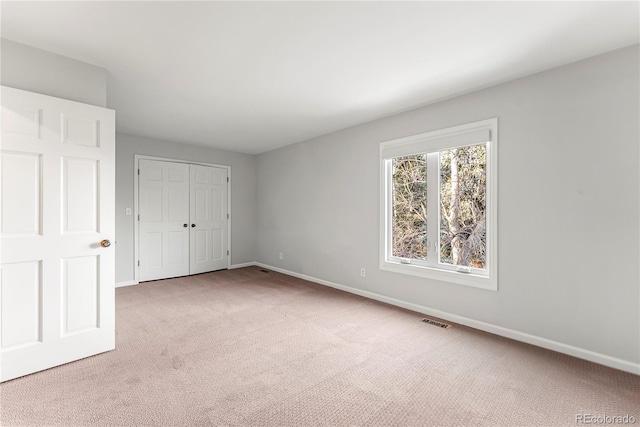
<point x="177" y="250"/>
<point x="175" y="203"/>
<point x="80" y="293"/>
<point x="153" y="203"/>
<point x="80" y="195"/>
<point x="201" y="245"/>
<point x="58" y="200"/>
<point x="209" y="214"/>
<point x="153" y="244"/>
<point x="164" y="210"/>
<point x="21" y="121"/>
<point x="21" y="194"/>
<point x="80" y="131"/>
<point x="218" y="243"/>
<point x="21" y="304"/>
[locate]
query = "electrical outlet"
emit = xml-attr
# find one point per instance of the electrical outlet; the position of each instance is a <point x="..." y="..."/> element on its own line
<point x="281" y="255"/>
<point x="362" y="272"/>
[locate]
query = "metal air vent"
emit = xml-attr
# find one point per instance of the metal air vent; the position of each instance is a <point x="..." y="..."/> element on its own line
<point x="436" y="323"/>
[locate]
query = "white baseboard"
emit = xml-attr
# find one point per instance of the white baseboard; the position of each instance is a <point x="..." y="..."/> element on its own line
<point x="580" y="353"/>
<point x="127" y="283"/>
<point x="244" y="264"/>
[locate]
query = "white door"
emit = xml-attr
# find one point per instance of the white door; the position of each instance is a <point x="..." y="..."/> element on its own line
<point x="209" y="218"/>
<point x="183" y="219"/>
<point x="163" y="206"/>
<point x="57" y="204"/>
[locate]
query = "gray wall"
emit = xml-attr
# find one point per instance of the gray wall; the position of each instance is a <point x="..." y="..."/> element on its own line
<point x="568" y="206"/>
<point x="27" y="68"/>
<point x="243" y="195"/>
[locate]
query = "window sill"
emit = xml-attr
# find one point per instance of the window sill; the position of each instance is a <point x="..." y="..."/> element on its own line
<point x="465" y="279"/>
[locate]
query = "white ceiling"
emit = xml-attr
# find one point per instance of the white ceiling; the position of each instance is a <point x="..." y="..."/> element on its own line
<point x="254" y="76"/>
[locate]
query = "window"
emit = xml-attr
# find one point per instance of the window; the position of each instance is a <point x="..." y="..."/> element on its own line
<point x="438" y="205"/>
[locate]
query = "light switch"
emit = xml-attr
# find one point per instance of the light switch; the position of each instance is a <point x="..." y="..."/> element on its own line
<point x="127" y="211"/>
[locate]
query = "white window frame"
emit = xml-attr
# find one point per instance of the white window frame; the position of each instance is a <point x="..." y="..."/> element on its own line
<point x="432" y="143"/>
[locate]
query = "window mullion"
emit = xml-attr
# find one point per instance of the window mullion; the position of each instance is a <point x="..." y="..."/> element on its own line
<point x="433" y="207"/>
<point x="388" y="195"/>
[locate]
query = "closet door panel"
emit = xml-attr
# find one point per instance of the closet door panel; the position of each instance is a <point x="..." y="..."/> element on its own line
<point x="163" y="205"/>
<point x="209" y="211"/>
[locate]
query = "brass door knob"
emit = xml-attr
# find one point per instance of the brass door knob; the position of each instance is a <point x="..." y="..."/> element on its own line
<point x="105" y="243"/>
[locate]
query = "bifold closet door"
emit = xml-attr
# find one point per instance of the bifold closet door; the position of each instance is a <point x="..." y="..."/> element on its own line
<point x="163" y="206"/>
<point x="183" y="225"/>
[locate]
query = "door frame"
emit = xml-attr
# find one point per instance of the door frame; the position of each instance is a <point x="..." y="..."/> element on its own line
<point x="136" y="236"/>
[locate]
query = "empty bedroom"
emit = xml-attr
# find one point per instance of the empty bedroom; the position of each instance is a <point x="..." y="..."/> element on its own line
<point x="320" y="213"/>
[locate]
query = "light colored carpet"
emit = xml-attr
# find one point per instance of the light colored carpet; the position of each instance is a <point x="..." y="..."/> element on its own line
<point x="243" y="347"/>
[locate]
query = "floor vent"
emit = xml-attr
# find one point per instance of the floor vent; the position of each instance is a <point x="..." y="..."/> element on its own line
<point x="436" y="323"/>
<point x="264" y="271"/>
